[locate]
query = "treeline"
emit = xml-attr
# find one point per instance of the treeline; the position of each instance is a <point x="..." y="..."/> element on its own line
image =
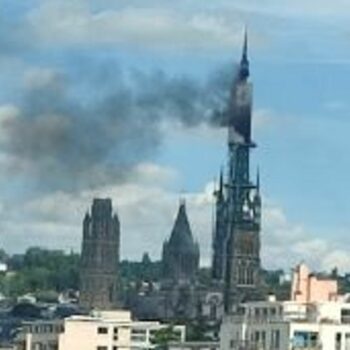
<point x="49" y="272"/>
<point x="39" y="270"/>
<point x="43" y="271"/>
<point x="144" y="270"/>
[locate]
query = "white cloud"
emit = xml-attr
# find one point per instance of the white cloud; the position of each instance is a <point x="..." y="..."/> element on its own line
<point x="285" y="244"/>
<point x="162" y="26"/>
<point x="8" y="112"/>
<point x="336" y="106"/>
<point x="316" y="9"/>
<point x="39" y="78"/>
<point x="339" y="258"/>
<point x="262" y="118"/>
<point x="147" y="209"/>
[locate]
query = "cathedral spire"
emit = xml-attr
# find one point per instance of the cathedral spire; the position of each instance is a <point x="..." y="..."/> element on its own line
<point x="180" y="258"/>
<point x="245" y="44"/>
<point x="243" y="203"/>
<point x="244" y="65"/>
<point x="221" y="182"/>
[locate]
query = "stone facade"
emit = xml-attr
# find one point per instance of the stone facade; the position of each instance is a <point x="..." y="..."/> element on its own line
<point x="179" y="295"/>
<point x="308" y="287"/>
<point x="180" y="258"/>
<point x="220" y="233"/>
<point x="99" y="282"/>
<point x="236" y="245"/>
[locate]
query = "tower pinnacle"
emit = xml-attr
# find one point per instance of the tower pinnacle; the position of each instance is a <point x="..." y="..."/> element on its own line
<point x="221" y="182"/>
<point x="244" y="65"/>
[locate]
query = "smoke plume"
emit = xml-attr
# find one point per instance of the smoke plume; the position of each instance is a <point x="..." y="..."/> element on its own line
<point x="90" y="128"/>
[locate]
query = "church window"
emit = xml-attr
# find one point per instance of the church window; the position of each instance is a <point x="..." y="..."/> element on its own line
<point x="213" y="311"/>
<point x="240" y="274"/>
<point x="250" y="275"/>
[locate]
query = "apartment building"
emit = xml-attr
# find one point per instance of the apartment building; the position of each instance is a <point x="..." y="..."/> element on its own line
<point x="315" y="318"/>
<point x="105" y="330"/>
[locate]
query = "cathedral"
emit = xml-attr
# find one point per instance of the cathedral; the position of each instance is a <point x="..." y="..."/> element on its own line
<point x="236" y="268"/>
<point x="179" y="296"/>
<point x="99" y="275"/>
<point x="236" y="243"/>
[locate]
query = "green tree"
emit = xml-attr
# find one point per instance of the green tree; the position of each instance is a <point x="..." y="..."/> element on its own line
<point x="163" y="336"/>
<point x="41" y="270"/>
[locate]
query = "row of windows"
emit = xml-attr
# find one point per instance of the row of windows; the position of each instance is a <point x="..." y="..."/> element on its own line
<point x="43" y="346"/>
<point x="44" y="328"/>
<point x="265" y="312"/>
<point x="305" y="339"/>
<point x="260" y="338"/>
<point x="104" y="330"/>
<point x="339" y="338"/>
<point x="245" y="275"/>
<point x="139" y="338"/>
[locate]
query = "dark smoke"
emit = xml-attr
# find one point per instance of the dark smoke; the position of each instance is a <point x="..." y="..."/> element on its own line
<point x="72" y="135"/>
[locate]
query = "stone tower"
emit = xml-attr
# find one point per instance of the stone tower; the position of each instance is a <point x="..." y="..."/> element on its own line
<point x="99" y="280"/>
<point x="236" y="258"/>
<point x="220" y="233"/>
<point x="180" y="258"/>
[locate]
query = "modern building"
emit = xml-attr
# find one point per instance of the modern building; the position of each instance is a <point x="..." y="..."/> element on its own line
<point x="320" y="321"/>
<point x="236" y="245"/>
<point x="104" y="330"/>
<point x="308" y="287"/>
<point x="99" y="268"/>
<point x="180" y="257"/>
<point x="194" y="345"/>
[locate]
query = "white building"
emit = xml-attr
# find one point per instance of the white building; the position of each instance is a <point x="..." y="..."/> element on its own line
<point x="194" y="345"/>
<point x="105" y="330"/>
<point x="316" y="318"/>
<point x="287" y="325"/>
<point x="3" y="267"/>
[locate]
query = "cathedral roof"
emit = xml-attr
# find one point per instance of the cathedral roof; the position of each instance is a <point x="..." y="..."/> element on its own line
<point x="181" y="234"/>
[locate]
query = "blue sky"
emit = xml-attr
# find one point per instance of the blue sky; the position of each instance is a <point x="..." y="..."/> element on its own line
<point x="59" y="60"/>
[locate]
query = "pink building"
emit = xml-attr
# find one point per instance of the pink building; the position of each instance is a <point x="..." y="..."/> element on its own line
<point x="308" y="288"/>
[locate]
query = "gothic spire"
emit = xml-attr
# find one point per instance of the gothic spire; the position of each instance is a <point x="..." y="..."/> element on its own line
<point x="181" y="235"/>
<point x="180" y="253"/>
<point x="245" y="44"/>
<point x="244" y="65"/>
<point x="221" y="182"/>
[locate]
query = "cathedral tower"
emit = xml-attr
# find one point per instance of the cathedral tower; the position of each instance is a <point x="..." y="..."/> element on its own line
<point x="180" y="258"/>
<point x="220" y="232"/>
<point x="99" y="282"/>
<point x="238" y="216"/>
